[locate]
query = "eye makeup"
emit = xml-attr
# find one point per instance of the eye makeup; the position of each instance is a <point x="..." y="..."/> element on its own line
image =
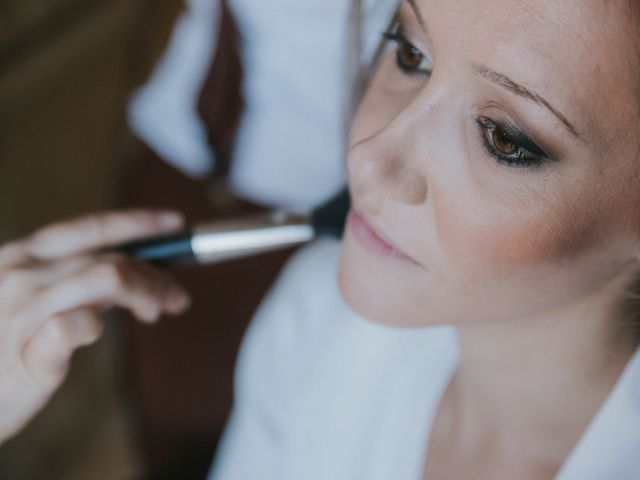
<point x="510" y="146"/>
<point x="409" y="58"/>
<point x="502" y="141"/>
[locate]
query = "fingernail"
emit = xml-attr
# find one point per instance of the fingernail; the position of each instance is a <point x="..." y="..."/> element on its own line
<point x="170" y="220"/>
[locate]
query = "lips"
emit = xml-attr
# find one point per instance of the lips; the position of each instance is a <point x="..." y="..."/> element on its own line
<point x="373" y="240"/>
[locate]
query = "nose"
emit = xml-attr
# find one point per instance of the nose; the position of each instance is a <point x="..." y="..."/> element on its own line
<point x="381" y="166"/>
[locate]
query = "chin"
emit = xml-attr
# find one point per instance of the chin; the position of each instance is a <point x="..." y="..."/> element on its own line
<point x="357" y="296"/>
<point x="373" y="295"/>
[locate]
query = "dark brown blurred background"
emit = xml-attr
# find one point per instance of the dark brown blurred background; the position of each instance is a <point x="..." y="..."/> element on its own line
<point x="144" y="403"/>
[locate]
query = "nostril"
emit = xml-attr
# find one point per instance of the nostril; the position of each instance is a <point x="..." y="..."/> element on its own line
<point x="412" y="188"/>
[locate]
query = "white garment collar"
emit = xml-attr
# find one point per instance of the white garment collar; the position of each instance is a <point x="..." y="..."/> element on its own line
<point x="610" y="447"/>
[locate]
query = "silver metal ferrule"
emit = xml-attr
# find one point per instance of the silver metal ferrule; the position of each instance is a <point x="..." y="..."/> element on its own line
<point x="225" y="240"/>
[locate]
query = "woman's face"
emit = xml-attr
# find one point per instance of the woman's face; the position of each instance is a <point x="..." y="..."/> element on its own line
<point x="494" y="161"/>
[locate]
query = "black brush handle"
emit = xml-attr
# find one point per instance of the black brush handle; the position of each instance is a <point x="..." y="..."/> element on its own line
<point x="165" y="250"/>
<point x="329" y="218"/>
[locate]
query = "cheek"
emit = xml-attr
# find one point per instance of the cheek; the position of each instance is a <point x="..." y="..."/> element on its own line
<point x="503" y="238"/>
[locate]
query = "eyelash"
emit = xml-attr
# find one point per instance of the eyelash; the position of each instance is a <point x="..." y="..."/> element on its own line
<point x="397" y="36"/>
<point x="527" y="154"/>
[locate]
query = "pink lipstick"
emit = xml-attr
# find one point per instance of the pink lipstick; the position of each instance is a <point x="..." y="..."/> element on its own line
<point x="372" y="240"/>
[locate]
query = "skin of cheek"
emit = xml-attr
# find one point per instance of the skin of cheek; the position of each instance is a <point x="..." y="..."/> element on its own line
<point x="479" y="284"/>
<point x="513" y="230"/>
<point x="521" y="242"/>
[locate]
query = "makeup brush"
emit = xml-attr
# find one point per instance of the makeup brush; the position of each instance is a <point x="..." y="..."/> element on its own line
<point x="217" y="241"/>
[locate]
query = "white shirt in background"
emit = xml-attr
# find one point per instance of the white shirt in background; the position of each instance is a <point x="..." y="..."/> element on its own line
<point x="298" y="73"/>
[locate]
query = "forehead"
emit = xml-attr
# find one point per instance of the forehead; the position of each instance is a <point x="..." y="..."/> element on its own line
<point x="580" y="55"/>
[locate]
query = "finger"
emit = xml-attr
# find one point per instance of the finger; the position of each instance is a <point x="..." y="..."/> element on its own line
<point x="12" y="254"/>
<point x="175" y="299"/>
<point x="115" y="281"/>
<point x="100" y="230"/>
<point x="84" y="327"/>
<point x="32" y="274"/>
<point x="50" y="349"/>
<point x="20" y="288"/>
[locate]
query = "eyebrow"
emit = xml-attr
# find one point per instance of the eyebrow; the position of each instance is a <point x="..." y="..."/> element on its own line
<point x="521" y="91"/>
<point x="504" y="81"/>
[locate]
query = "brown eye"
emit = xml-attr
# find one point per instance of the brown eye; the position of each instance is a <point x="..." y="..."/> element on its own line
<point x="509" y="145"/>
<point x="503" y="142"/>
<point x="409" y="56"/>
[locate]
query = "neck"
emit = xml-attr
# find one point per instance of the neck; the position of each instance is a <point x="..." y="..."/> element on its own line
<point x="542" y="377"/>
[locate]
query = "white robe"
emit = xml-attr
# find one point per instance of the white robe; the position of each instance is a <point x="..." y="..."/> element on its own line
<point x="322" y="394"/>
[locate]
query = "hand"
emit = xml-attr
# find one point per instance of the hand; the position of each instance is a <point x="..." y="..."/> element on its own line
<point x="53" y="287"/>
